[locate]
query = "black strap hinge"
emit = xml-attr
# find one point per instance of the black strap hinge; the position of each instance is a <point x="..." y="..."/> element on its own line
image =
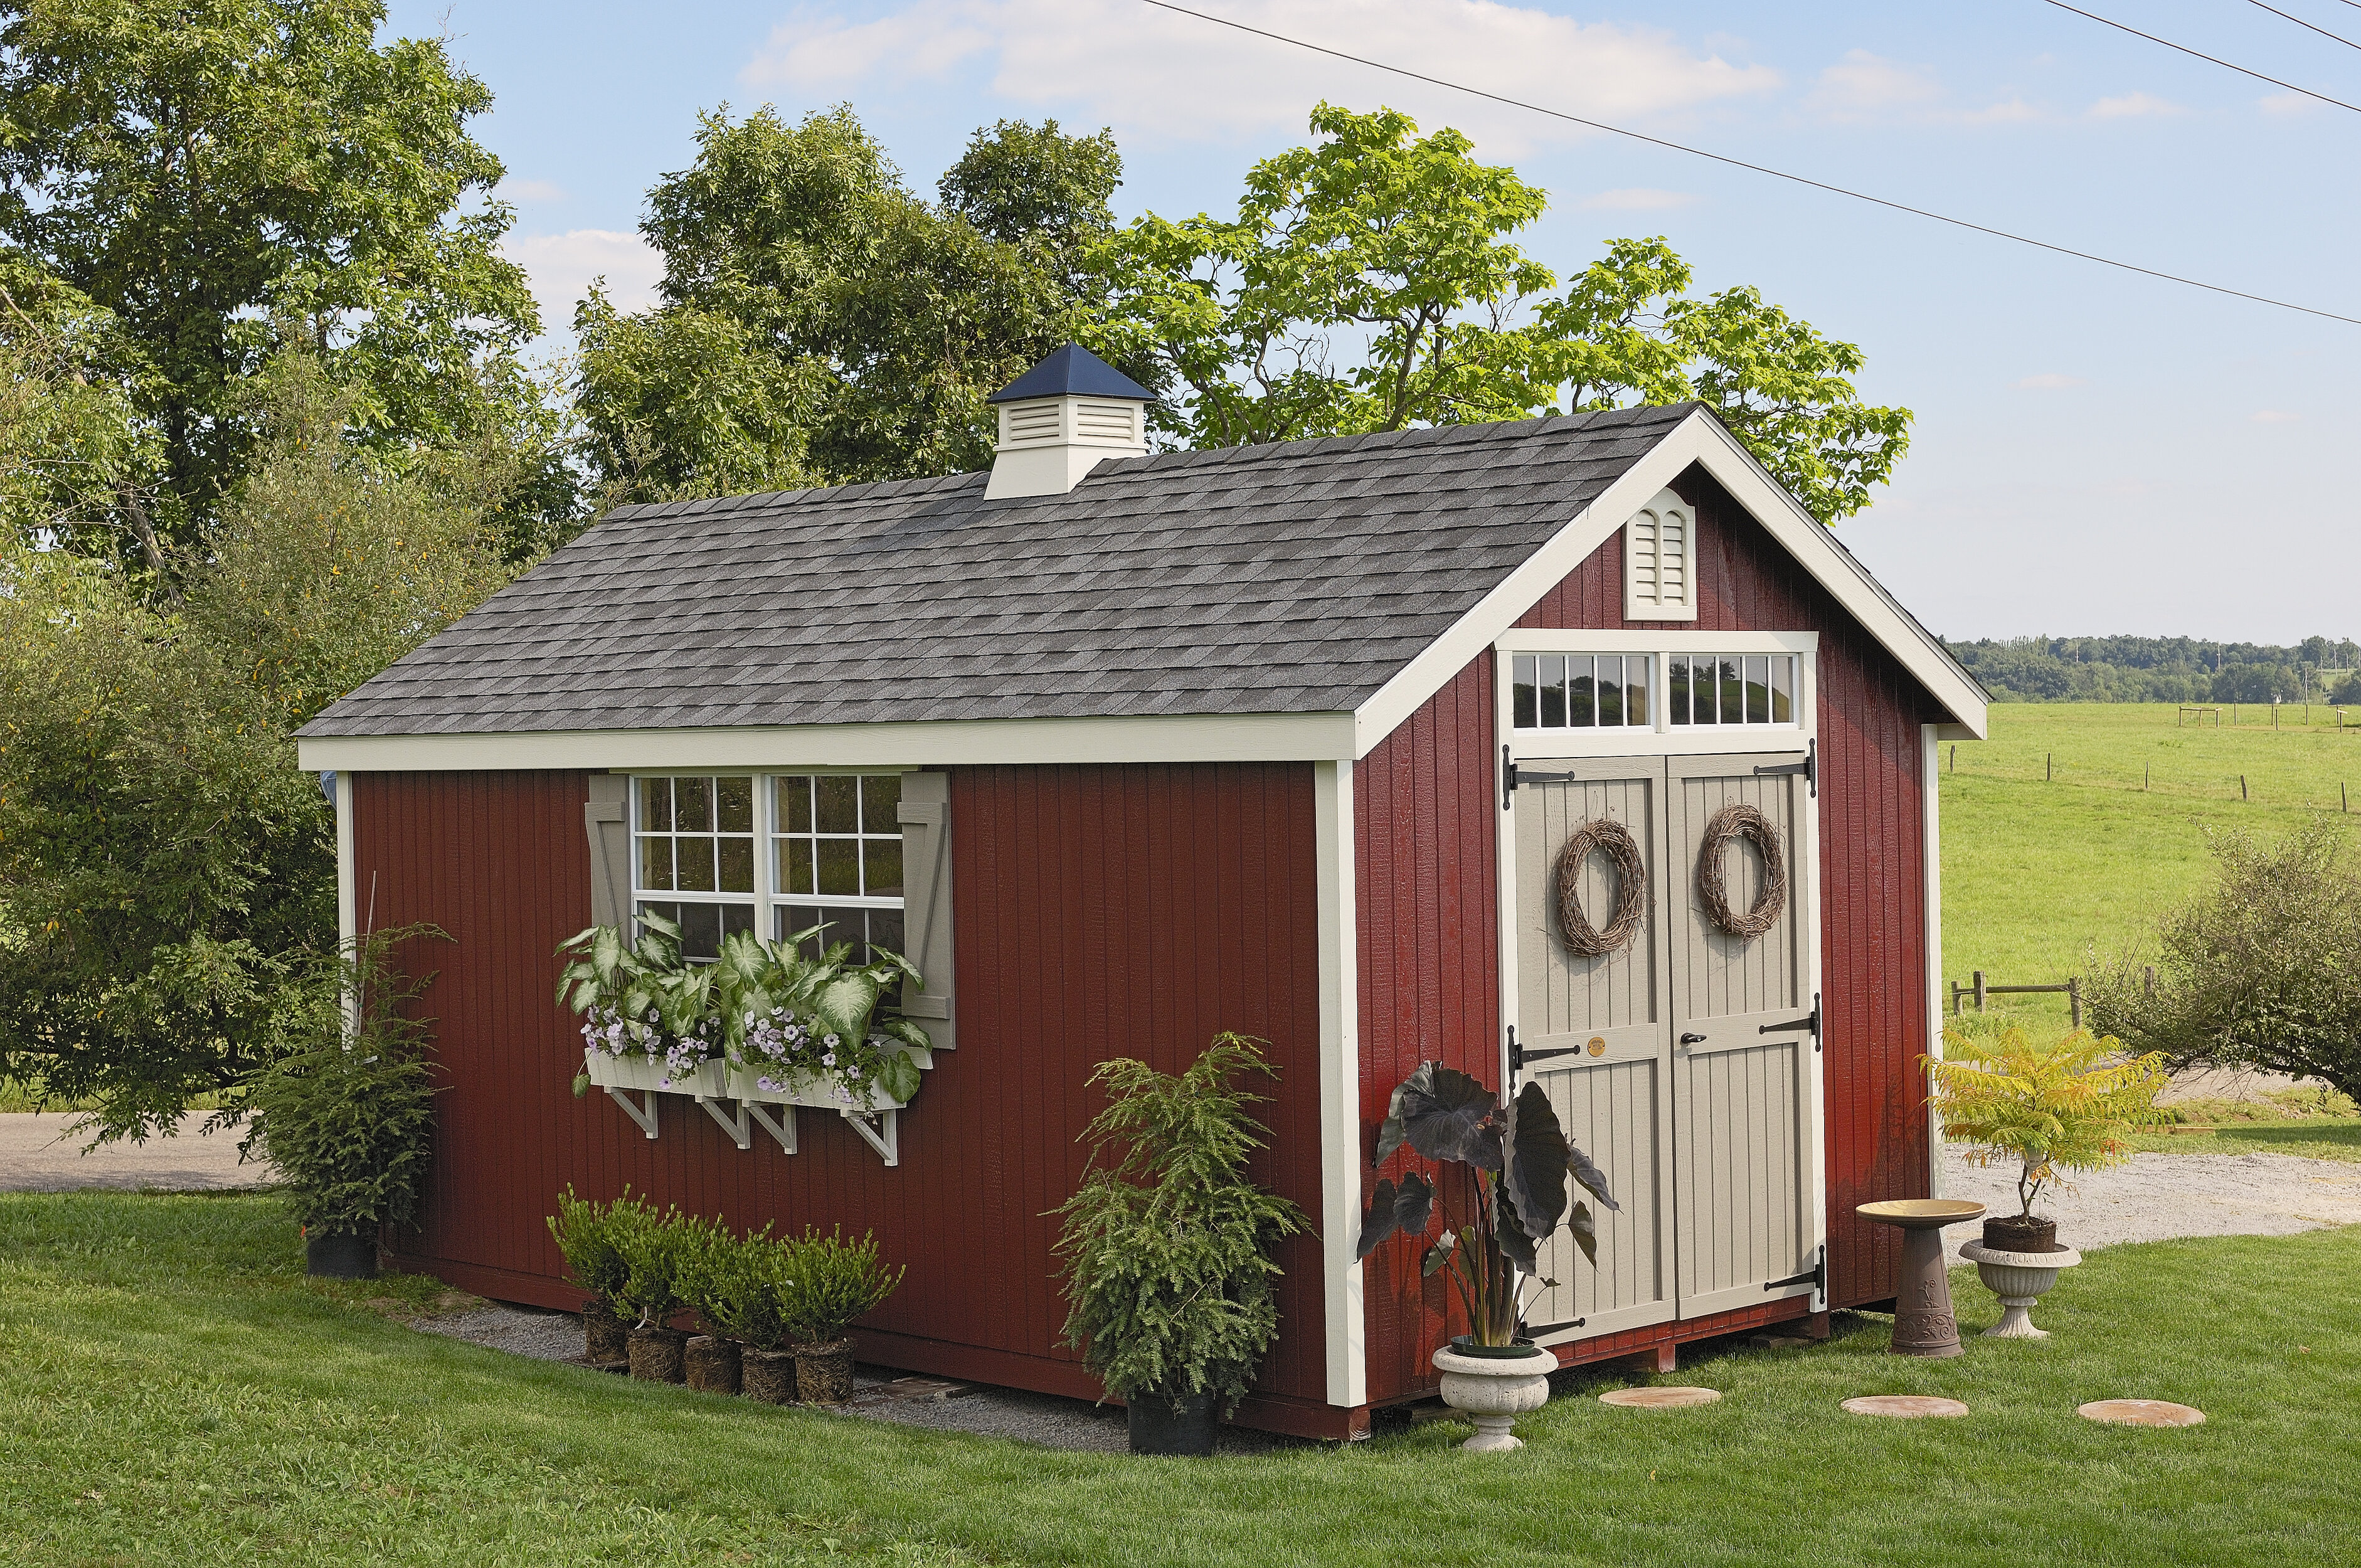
<point x="1507" y="779"/>
<point x="1817" y="1276"/>
<point x="1809" y="767"/>
<point x="1809" y="1021"/>
<point x="1534" y="1331"/>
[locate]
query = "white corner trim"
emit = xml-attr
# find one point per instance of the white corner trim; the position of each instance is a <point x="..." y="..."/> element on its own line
<point x="1194" y="737"/>
<point x="1700" y="440"/>
<point x="1344" y="1319"/>
<point x="348" y="921"/>
<point x="1931" y="808"/>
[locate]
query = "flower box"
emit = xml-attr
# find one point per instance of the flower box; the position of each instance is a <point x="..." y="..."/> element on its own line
<point x="819" y="1092"/>
<point x="709" y="1080"/>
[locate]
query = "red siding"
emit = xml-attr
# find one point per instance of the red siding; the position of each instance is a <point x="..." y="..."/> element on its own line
<point x="1425" y="828"/>
<point x="1099" y="912"/>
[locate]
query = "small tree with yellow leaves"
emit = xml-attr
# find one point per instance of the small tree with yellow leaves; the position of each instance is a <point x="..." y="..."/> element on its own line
<point x="2051" y="1107"/>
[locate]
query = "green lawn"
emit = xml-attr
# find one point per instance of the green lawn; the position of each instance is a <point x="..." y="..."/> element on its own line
<point x="2036" y="870"/>
<point x="174" y="1391"/>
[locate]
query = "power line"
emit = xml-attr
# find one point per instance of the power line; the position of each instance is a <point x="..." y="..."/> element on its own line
<point x="1751" y="168"/>
<point x="2196" y="54"/>
<point x="2300" y="22"/>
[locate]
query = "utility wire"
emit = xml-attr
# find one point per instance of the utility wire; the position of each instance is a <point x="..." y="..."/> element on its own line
<point x="2213" y="59"/>
<point x="2300" y="22"/>
<point x="1751" y="167"/>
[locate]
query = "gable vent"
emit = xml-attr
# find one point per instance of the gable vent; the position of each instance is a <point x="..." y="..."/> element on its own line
<point x="1028" y="421"/>
<point x="1660" y="561"/>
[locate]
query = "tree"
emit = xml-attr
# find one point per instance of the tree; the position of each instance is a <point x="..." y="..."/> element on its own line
<point x="214" y="173"/>
<point x="819" y="322"/>
<point x="1407" y="241"/>
<point x="72" y="445"/>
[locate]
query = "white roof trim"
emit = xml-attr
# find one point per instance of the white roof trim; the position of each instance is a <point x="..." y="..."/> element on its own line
<point x="1699" y="439"/>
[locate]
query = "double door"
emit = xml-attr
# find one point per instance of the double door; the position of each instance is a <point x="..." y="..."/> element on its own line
<point x="1683" y="1061"/>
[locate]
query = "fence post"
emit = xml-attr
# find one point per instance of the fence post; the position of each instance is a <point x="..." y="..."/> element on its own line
<point x="1980" y="990"/>
<point x="2151" y="980"/>
<point x="2242" y="787"/>
<point x="2074" y="997"/>
<point x="1955" y="752"/>
<point x="2148" y="778"/>
<point x="2049" y="765"/>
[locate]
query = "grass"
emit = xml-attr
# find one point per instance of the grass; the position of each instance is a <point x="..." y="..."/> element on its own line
<point x="2036" y="871"/>
<point x="2318" y="1123"/>
<point x="174" y="1390"/>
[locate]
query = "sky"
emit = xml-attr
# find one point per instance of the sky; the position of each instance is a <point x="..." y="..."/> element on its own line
<point x="2094" y="451"/>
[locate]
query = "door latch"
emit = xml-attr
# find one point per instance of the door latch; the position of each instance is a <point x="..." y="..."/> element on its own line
<point x="1692" y="1039"/>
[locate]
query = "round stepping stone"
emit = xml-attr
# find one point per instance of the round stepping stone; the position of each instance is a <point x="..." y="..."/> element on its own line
<point x="1904" y="1407"/>
<point x="1658" y="1398"/>
<point x="2140" y="1413"/>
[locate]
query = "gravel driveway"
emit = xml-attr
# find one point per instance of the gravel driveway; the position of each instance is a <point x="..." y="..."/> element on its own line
<point x="2157" y="1196"/>
<point x="38" y="1153"/>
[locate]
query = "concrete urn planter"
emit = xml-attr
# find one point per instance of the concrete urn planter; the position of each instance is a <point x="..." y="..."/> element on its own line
<point x="2019" y="1280"/>
<point x="1494" y="1390"/>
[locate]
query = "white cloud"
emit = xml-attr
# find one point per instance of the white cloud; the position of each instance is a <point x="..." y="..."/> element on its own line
<point x="563" y="264"/>
<point x="1155" y="72"/>
<point x="2051" y="381"/>
<point x="2134" y="105"/>
<point x="1865" y="86"/>
<point x="2272" y="416"/>
<point x="2287" y="104"/>
<point x="1637" y="200"/>
<point x="514" y="189"/>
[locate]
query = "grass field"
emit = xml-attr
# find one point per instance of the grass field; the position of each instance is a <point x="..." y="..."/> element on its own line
<point x="2037" y="869"/>
<point x="174" y="1391"/>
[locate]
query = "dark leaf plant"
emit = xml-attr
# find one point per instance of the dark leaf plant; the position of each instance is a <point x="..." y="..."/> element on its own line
<point x="1167" y="1245"/>
<point x="1514" y="1162"/>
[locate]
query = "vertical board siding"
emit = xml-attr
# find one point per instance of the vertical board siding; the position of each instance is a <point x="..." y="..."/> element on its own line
<point x="1424" y="826"/>
<point x="1099" y="912"/>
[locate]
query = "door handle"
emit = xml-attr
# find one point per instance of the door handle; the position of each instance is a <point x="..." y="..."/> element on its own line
<point x="1692" y="1039"/>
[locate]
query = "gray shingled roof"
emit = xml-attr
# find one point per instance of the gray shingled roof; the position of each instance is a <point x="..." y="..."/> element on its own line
<point x="1287" y="578"/>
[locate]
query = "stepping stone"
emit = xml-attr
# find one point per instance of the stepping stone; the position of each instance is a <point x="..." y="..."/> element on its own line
<point x="1658" y="1398"/>
<point x="2140" y="1413"/>
<point x="1905" y="1406"/>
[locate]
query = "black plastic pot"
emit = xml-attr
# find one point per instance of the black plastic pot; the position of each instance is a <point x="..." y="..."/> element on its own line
<point x="1465" y="1345"/>
<point x="1157" y="1428"/>
<point x="331" y="1254"/>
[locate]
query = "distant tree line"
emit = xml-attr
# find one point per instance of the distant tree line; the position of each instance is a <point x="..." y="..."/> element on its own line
<point x="2161" y="669"/>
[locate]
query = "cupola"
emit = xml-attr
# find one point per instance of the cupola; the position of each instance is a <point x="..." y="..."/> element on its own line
<point x="1060" y="419"/>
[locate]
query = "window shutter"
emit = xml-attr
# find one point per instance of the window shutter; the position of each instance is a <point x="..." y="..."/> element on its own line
<point x="927" y="903"/>
<point x="606" y="821"/>
<point x="1660" y="561"/>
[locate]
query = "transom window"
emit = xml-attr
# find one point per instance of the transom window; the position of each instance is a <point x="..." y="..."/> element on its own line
<point x="1600" y="693"/>
<point x="1581" y="691"/>
<point x="1730" y="688"/>
<point x="835" y="857"/>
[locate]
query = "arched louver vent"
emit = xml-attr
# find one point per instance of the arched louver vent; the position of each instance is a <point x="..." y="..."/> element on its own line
<point x="1660" y="561"/>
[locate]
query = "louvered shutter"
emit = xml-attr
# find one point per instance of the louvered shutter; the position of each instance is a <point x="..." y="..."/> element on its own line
<point x="606" y="818"/>
<point x="927" y="903"/>
<point x="1660" y="561"/>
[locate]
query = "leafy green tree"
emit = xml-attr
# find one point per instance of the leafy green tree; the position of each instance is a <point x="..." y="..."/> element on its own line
<point x="819" y="323"/>
<point x="74" y="453"/>
<point x="216" y="173"/>
<point x="1407" y="242"/>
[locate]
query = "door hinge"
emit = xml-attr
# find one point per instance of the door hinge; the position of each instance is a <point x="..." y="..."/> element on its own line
<point x="1534" y="1331"/>
<point x="1516" y="1052"/>
<point x="1817" y="1276"/>
<point x="1809" y="767"/>
<point x="1809" y="1021"/>
<point x="1507" y="778"/>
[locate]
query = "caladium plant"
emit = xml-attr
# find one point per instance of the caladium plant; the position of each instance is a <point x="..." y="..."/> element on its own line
<point x="1518" y="1165"/>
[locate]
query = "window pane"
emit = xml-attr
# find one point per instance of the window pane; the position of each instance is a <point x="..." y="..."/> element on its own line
<point x="1783" y="689"/>
<point x="737" y="917"/>
<point x="1553" y="691"/>
<point x="1757" y="691"/>
<point x="1582" y="691"/>
<point x="839" y="866"/>
<point x="1610" y="689"/>
<point x="692" y="805"/>
<point x="735" y="805"/>
<point x="1733" y="693"/>
<point x="1676" y="688"/>
<point x="794" y="804"/>
<point x="881" y="869"/>
<point x="655" y="806"/>
<point x="700" y="931"/>
<point x="881" y="801"/>
<point x="737" y="865"/>
<point x="1525" y="705"/>
<point x="1635" y="690"/>
<point x="655" y="863"/>
<point x="886" y="929"/>
<point x="693" y="864"/>
<point x="794" y="865"/>
<point x="793" y="920"/>
<point x="839" y="802"/>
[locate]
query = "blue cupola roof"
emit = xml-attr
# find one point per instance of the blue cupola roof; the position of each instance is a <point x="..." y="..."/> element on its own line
<point x="1072" y="371"/>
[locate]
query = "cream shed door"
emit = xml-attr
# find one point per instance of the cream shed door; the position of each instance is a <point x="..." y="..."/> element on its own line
<point x="1741" y="1071"/>
<point x="1594" y="1033"/>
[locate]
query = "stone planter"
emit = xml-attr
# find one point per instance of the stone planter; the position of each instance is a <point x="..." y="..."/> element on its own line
<point x="2019" y="1280"/>
<point x="1493" y="1391"/>
<point x="713" y="1364"/>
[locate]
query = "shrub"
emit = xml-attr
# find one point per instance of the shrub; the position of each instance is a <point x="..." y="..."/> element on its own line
<point x="2051" y="1107"/>
<point x="658" y="1253"/>
<point x="1167" y="1247"/>
<point x="584" y="1233"/>
<point x="349" y="1117"/>
<point x="2262" y="970"/>
<point x="741" y="1286"/>
<point x="832" y="1282"/>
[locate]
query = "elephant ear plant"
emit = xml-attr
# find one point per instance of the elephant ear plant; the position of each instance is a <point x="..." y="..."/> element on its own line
<point x="1515" y="1161"/>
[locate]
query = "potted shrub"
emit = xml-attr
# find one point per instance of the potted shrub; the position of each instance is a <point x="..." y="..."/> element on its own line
<point x="829" y="1283"/>
<point x="1167" y="1245"/>
<point x="583" y="1232"/>
<point x="728" y="1283"/>
<point x="1512" y="1163"/>
<point x="656" y="1251"/>
<point x="347" y="1116"/>
<point x="2047" y="1109"/>
<point x="745" y="1289"/>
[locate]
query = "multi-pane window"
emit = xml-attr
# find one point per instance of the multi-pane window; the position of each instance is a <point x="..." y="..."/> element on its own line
<point x="1581" y="691"/>
<point x="1730" y="688"/>
<point x="693" y="837"/>
<point x="837" y="858"/>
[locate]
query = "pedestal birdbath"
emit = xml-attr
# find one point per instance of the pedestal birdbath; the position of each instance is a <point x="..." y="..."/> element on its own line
<point x="1922" y="1324"/>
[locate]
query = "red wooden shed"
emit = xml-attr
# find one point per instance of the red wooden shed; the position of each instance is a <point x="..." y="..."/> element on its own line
<point x="1126" y="749"/>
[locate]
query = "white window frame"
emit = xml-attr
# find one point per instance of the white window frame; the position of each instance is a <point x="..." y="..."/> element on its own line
<point x="1660" y="737"/>
<point x="766" y="899"/>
